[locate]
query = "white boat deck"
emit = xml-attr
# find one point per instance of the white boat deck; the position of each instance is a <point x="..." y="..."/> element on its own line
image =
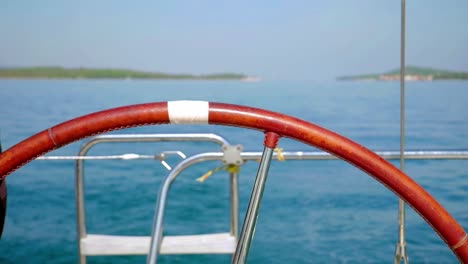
<point x="98" y="245"/>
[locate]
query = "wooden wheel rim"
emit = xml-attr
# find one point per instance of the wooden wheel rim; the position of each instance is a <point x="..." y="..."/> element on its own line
<point x="199" y="112"/>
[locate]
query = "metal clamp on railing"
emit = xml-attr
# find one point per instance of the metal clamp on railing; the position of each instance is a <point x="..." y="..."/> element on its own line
<point x="162" y="157"/>
<point x="232" y="155"/>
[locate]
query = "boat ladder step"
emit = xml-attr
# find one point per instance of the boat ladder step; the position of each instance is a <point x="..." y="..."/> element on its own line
<point x="99" y="245"/>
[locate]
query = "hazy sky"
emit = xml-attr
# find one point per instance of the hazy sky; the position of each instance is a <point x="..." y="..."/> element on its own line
<point x="303" y="39"/>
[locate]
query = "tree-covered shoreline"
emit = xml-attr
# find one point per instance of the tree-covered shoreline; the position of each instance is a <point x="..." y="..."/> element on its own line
<point x="109" y="73"/>
<point x="412" y="73"/>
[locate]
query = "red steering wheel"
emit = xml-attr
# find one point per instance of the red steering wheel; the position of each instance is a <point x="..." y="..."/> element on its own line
<point x="198" y="112"/>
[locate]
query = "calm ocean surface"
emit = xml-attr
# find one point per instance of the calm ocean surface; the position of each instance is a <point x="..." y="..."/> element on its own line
<point x="312" y="211"/>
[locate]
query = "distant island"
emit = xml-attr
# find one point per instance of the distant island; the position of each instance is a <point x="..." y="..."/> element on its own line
<point x="91" y="73"/>
<point x="412" y="73"/>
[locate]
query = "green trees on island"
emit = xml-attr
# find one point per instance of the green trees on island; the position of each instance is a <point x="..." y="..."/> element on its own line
<point x="89" y="73"/>
<point x="411" y="73"/>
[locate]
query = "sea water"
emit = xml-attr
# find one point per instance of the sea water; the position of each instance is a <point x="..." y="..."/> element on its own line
<point x="312" y="211"/>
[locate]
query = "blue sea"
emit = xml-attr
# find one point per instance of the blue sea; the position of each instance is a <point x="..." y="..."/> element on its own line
<point x="312" y="211"/>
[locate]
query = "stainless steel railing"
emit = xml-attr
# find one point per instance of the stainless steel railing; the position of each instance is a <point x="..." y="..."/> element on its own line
<point x="156" y="236"/>
<point x="79" y="169"/>
<point x="250" y="156"/>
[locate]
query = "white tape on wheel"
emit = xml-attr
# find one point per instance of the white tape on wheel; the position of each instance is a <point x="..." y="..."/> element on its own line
<point x="188" y="112"/>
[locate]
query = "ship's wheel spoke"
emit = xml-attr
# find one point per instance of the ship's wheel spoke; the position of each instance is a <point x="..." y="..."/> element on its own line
<point x="250" y="219"/>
